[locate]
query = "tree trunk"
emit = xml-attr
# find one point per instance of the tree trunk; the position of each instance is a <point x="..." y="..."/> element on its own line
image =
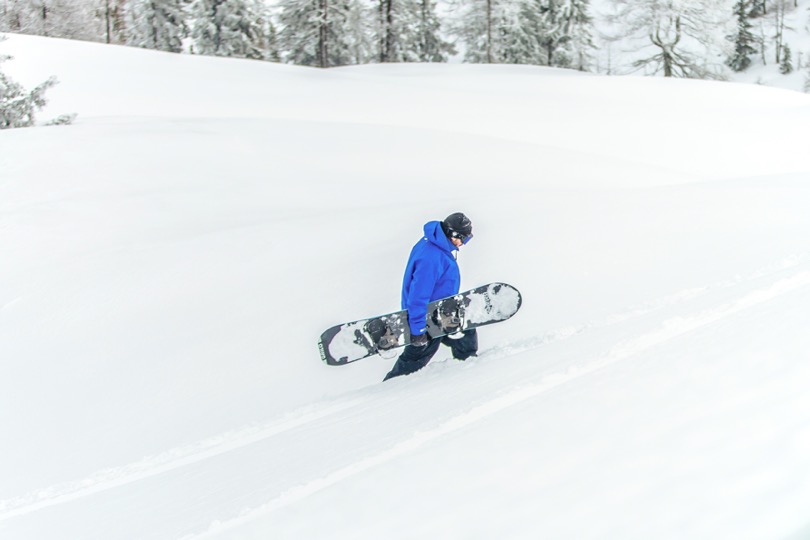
<point x="44" y="19"/>
<point x="424" y="55"/>
<point x="107" y="16"/>
<point x="489" y="31"/>
<point x="667" y="47"/>
<point x="323" y="36"/>
<point x="381" y="36"/>
<point x="780" y="28"/>
<point x="389" y="31"/>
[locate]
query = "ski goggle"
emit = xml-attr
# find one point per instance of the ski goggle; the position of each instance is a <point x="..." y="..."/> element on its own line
<point x="463" y="237"/>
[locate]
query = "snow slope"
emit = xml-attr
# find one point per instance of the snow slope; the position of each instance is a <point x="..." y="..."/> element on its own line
<point x="169" y="261"/>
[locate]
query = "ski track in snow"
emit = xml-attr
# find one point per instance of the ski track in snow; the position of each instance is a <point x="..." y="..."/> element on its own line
<point x="670" y="329"/>
<point x="214" y="446"/>
<point x="167" y="461"/>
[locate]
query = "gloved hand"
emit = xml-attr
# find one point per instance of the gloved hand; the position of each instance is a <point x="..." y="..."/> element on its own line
<point x="420" y="340"/>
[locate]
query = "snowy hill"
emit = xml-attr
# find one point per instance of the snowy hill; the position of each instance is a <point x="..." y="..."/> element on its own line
<point x="169" y="261"/>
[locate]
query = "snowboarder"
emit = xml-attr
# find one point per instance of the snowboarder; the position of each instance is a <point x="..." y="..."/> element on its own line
<point x="432" y="273"/>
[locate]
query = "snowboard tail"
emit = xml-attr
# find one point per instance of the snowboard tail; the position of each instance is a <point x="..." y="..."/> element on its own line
<point x="488" y="304"/>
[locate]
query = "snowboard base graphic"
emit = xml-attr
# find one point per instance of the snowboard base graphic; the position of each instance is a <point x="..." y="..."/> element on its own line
<point x="488" y="304"/>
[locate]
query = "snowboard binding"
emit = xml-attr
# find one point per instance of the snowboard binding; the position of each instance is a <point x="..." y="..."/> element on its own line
<point x="382" y="338"/>
<point x="449" y="317"/>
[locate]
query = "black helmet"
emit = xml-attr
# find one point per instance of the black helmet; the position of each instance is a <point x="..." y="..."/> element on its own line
<point x="457" y="226"/>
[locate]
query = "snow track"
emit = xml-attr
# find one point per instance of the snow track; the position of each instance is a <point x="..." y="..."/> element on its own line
<point x="670" y="329"/>
<point x="365" y="410"/>
<point x="168" y="461"/>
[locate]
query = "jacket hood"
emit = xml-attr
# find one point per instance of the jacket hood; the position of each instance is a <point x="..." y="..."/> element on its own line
<point x="435" y="235"/>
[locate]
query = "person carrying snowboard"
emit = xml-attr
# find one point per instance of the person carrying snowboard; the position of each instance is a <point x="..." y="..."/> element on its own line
<point x="432" y="273"/>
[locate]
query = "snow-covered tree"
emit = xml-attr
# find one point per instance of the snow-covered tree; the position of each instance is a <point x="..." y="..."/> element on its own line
<point x="758" y="8"/>
<point x="680" y="37"/>
<point x="743" y="38"/>
<point x="17" y="105"/>
<point x="500" y="31"/>
<point x="395" y="26"/>
<point x="156" y="24"/>
<point x="780" y="12"/>
<point x="409" y="31"/>
<point x="72" y="19"/>
<point x="541" y="32"/>
<point x="228" y="28"/>
<point x="324" y="33"/>
<point x="269" y="43"/>
<point x="357" y="39"/>
<point x="566" y="33"/>
<point x="807" y="77"/>
<point x="429" y="45"/>
<point x="111" y="18"/>
<point x="786" y="65"/>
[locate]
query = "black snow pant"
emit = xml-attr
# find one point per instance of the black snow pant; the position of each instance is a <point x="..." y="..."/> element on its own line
<point x="414" y="358"/>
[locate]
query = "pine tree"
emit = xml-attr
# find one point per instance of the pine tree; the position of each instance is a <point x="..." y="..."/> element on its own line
<point x="474" y="27"/>
<point x="156" y="24"/>
<point x="17" y="105"/>
<point x="566" y="33"/>
<point x="786" y="66"/>
<point x="228" y="28"/>
<point x="409" y="31"/>
<point x="357" y="40"/>
<point x="71" y="19"/>
<point x="111" y="16"/>
<point x="395" y="24"/>
<point x="324" y="33"/>
<point x="743" y="39"/>
<point x="757" y="8"/>
<point x="541" y="32"/>
<point x="270" y="42"/>
<point x="807" y="78"/>
<point x="429" y="45"/>
<point x="500" y="31"/>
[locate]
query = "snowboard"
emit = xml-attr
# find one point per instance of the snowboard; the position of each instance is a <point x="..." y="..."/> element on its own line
<point x="488" y="304"/>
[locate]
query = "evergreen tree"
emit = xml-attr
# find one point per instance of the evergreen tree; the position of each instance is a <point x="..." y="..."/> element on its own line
<point x="757" y="8"/>
<point x="17" y="105"/>
<point x="474" y="27"/>
<point x="807" y="78"/>
<point x="500" y="31"/>
<point x="542" y="32"/>
<point x="786" y="66"/>
<point x="71" y="19"/>
<point x="228" y="28"/>
<point x="566" y="33"/>
<point x="270" y="42"/>
<point x="156" y="24"/>
<point x="324" y="33"/>
<point x="429" y="45"/>
<point x="357" y="39"/>
<point x="408" y="31"/>
<point x="395" y="26"/>
<point x="112" y="20"/>
<point x="743" y="39"/>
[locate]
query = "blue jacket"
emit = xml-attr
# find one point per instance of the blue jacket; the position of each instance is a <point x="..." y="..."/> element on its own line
<point x="432" y="273"/>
